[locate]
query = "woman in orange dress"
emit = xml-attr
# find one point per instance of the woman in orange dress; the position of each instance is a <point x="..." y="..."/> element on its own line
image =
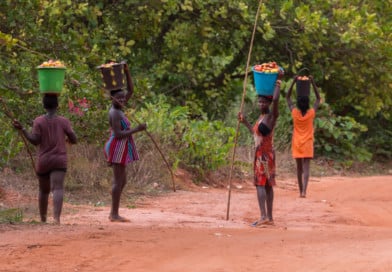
<point x="264" y="159"/>
<point x="303" y="133"/>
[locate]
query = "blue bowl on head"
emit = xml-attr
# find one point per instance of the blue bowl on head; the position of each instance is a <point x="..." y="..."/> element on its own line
<point x="264" y="82"/>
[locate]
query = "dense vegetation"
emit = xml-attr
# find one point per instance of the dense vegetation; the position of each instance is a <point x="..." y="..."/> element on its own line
<point x="188" y="59"/>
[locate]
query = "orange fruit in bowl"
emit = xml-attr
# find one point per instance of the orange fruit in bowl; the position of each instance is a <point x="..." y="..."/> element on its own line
<point x="303" y="78"/>
<point x="267" y="67"/>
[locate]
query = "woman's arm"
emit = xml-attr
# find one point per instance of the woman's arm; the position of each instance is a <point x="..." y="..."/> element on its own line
<point x="115" y="121"/>
<point x="243" y="120"/>
<point x="317" y="102"/>
<point x="129" y="82"/>
<point x="72" y="139"/>
<point x="288" y="95"/>
<point x="32" y="138"/>
<point x="275" y="101"/>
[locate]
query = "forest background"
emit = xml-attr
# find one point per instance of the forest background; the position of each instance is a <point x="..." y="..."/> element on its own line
<point x="188" y="59"/>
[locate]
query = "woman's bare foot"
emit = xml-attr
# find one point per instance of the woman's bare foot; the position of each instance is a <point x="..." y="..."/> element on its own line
<point x="270" y="222"/>
<point x="117" y="218"/>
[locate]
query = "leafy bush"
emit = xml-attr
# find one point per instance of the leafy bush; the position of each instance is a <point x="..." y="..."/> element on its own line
<point x="338" y="137"/>
<point x="200" y="144"/>
<point x="10" y="145"/>
<point x="378" y="138"/>
<point x="208" y="145"/>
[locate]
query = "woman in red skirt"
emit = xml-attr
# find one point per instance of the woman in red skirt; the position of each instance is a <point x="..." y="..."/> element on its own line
<point x="264" y="160"/>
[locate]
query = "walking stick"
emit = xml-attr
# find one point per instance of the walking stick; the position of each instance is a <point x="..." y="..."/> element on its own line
<point x="241" y="107"/>
<point x="160" y="152"/>
<point x="10" y="115"/>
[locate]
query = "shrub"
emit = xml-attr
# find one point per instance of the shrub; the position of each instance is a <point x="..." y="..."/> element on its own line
<point x="198" y="144"/>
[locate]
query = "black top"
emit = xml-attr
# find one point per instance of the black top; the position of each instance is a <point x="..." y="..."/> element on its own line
<point x="263" y="129"/>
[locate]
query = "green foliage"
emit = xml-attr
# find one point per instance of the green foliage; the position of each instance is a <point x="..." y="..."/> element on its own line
<point x="166" y="121"/>
<point x="208" y="144"/>
<point x="11" y="216"/>
<point x="194" y="52"/>
<point x="200" y="145"/>
<point x="377" y="139"/>
<point x="339" y="136"/>
<point x="10" y="145"/>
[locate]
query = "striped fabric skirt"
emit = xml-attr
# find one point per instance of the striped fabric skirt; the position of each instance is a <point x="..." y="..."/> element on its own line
<point x="121" y="151"/>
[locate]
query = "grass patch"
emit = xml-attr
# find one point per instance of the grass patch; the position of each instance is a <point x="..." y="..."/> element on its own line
<point x="11" y="216"/>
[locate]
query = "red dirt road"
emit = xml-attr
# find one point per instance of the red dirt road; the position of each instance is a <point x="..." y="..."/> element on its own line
<point x="345" y="224"/>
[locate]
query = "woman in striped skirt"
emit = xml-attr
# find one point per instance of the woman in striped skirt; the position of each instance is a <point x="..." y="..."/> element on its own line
<point x="120" y="148"/>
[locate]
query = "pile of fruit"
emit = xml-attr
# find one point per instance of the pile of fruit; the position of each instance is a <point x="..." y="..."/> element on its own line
<point x="303" y="78"/>
<point x="52" y="64"/>
<point x="108" y="65"/>
<point x="267" y="67"/>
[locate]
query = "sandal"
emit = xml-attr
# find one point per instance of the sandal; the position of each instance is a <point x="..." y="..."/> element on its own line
<point x="259" y="223"/>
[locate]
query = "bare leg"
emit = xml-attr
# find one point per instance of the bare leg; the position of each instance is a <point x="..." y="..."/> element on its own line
<point x="270" y="201"/>
<point x="299" y="175"/>
<point x="306" y="170"/>
<point x="43" y="196"/>
<point x="262" y="198"/>
<point x="57" y="182"/>
<point x="119" y="181"/>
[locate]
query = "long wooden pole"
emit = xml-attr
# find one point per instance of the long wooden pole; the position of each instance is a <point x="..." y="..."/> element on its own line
<point x="241" y="108"/>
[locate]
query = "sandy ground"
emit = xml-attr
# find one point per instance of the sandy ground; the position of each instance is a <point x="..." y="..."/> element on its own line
<point x="345" y="224"/>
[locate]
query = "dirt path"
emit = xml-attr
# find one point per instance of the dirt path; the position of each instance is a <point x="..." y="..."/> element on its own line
<point x="345" y="224"/>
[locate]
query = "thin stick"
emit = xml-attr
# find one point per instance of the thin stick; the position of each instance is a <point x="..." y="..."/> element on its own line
<point x="160" y="152"/>
<point x="241" y="108"/>
<point x="9" y="114"/>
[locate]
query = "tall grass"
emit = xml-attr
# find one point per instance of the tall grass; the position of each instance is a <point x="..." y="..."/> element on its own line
<point x="90" y="177"/>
